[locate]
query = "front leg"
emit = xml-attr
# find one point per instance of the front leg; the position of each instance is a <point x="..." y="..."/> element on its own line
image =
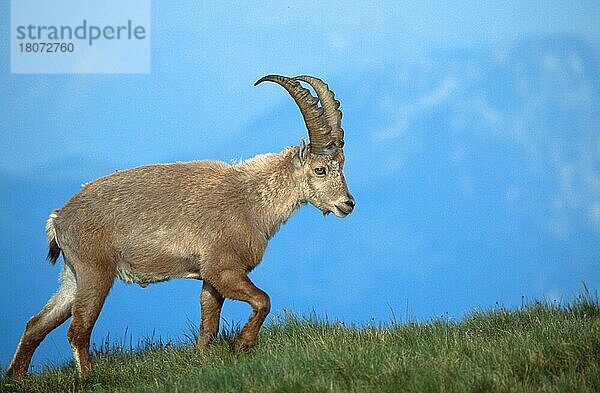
<point x="211" y="303"/>
<point x="235" y="284"/>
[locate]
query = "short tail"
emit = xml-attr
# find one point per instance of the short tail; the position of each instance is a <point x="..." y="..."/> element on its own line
<point x="53" y="246"/>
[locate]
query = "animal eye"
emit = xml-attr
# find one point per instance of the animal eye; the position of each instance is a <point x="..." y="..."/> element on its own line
<point x="320" y="171"/>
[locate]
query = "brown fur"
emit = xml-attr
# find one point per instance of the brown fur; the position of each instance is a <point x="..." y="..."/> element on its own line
<point x="203" y="220"/>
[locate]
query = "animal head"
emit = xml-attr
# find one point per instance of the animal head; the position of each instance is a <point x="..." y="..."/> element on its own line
<point x="321" y="162"/>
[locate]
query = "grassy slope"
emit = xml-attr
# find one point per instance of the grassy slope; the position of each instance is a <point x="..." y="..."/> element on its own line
<point x="540" y="348"/>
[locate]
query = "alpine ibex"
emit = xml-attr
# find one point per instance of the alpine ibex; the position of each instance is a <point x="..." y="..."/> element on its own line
<point x="204" y="220"/>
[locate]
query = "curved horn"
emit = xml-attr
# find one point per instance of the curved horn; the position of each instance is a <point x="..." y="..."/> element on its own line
<point x="330" y="105"/>
<point x="319" y="132"/>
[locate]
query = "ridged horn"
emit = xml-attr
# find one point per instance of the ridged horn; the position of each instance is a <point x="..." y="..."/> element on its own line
<point x="333" y="115"/>
<point x="319" y="131"/>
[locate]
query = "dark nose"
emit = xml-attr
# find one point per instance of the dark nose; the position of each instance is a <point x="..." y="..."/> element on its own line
<point x="350" y="202"/>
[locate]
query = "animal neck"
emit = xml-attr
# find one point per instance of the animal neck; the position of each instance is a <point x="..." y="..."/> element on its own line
<point x="273" y="188"/>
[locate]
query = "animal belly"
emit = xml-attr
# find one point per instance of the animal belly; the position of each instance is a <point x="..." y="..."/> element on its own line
<point x="153" y="271"/>
<point x="160" y="258"/>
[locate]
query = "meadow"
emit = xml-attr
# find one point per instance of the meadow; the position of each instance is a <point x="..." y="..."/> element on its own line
<point x="543" y="346"/>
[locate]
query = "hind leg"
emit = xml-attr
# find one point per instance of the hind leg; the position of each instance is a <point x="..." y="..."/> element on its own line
<point x="92" y="288"/>
<point x="56" y="311"/>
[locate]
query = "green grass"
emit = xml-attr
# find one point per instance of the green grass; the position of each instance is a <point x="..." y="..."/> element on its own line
<point x="542" y="347"/>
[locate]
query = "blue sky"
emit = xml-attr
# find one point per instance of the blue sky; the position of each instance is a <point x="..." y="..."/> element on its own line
<point x="473" y="150"/>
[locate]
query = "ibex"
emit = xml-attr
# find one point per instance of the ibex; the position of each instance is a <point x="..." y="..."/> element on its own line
<point x="204" y="220"/>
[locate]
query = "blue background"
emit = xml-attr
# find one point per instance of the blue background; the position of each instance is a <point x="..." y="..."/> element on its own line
<point x="472" y="144"/>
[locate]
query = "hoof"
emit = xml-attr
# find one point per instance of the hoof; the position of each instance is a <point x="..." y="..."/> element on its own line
<point x="242" y="346"/>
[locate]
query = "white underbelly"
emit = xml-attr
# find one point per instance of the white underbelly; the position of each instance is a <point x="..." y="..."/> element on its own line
<point x="130" y="276"/>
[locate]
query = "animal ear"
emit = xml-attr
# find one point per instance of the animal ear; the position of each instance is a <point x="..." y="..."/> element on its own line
<point x="302" y="155"/>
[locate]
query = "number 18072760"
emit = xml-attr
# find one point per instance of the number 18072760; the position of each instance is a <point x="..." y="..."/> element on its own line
<point x="47" y="47"/>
